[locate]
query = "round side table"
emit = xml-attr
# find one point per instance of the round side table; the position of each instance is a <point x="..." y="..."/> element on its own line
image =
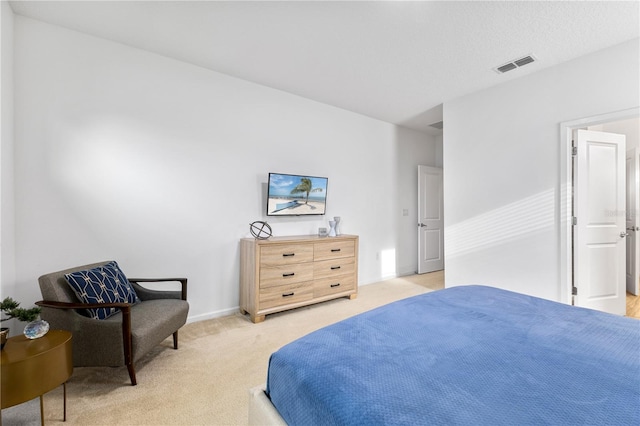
<point x="32" y="368"/>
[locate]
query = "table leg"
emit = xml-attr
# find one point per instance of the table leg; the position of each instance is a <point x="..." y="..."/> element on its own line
<point x="41" y="411"/>
<point x="64" y="412"/>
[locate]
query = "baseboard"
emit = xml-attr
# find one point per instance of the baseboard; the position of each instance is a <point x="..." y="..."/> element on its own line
<point x="212" y="315"/>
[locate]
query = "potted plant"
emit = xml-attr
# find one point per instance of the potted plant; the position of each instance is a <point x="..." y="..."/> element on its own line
<point x="11" y="309"/>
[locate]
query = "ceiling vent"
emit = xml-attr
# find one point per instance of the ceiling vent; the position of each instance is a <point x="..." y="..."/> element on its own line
<point x="437" y="125"/>
<point x="515" y="64"/>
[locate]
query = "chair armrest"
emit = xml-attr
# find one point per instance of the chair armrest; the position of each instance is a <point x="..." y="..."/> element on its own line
<point x="158" y="294"/>
<point x="125" y="308"/>
<point x="66" y="305"/>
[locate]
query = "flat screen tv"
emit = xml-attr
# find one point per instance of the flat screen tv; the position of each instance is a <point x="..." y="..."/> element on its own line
<point x="296" y="195"/>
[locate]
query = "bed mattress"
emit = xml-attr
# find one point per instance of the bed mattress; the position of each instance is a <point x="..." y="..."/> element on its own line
<point x="463" y="355"/>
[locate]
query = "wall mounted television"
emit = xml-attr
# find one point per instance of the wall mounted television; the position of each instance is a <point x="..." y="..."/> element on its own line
<point x="296" y="195"/>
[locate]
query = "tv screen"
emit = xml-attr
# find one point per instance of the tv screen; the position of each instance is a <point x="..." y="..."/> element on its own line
<point x="296" y="195"/>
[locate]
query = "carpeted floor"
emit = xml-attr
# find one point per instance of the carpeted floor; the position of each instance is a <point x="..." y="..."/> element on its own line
<point x="206" y="381"/>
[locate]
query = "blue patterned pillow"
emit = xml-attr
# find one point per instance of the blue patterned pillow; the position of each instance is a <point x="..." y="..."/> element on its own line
<point x="104" y="284"/>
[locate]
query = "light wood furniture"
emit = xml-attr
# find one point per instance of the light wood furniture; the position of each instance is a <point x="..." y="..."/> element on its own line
<point x="288" y="272"/>
<point x="31" y="368"/>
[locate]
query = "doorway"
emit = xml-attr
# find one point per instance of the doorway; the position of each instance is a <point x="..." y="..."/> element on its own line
<point x="430" y="220"/>
<point x="565" y="194"/>
<point x="633" y="218"/>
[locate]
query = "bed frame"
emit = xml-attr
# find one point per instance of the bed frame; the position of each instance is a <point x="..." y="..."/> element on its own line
<point x="261" y="410"/>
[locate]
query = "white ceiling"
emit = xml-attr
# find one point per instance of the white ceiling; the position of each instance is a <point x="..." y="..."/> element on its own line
<point x="396" y="61"/>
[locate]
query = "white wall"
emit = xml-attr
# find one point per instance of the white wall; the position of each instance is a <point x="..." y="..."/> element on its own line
<point x="7" y="243"/>
<point x="123" y="154"/>
<point x="501" y="162"/>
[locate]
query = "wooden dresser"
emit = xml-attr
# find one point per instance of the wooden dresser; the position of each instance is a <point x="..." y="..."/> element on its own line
<point x="288" y="272"/>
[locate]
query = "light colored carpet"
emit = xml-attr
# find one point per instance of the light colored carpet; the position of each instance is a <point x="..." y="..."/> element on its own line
<point x="206" y="381"/>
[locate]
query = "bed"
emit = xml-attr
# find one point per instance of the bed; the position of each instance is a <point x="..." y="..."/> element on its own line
<point x="463" y="355"/>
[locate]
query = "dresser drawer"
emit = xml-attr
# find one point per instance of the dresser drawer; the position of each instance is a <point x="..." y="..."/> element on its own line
<point x="285" y="294"/>
<point x="334" y="249"/>
<point x="284" y="254"/>
<point x="333" y="268"/>
<point x="333" y="285"/>
<point x="271" y="276"/>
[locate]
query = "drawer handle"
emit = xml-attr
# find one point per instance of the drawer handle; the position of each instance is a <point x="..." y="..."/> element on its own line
<point x="335" y="267"/>
<point x="290" y="274"/>
<point x="288" y="254"/>
<point x="335" y="250"/>
<point x="335" y="285"/>
<point x="288" y="294"/>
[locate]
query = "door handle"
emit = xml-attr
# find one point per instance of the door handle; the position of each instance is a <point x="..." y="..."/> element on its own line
<point x="422" y="225"/>
<point x="623" y="234"/>
<point x="633" y="228"/>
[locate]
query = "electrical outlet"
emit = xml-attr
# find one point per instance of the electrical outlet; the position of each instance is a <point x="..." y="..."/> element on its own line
<point x="405" y="212"/>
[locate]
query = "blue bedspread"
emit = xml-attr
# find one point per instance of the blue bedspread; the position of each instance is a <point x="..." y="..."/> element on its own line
<point x="469" y="355"/>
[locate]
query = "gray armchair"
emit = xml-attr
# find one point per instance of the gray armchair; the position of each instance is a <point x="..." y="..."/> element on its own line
<point x="122" y="338"/>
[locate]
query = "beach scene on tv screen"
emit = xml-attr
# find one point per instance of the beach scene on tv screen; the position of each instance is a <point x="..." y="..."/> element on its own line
<point x="296" y="195"/>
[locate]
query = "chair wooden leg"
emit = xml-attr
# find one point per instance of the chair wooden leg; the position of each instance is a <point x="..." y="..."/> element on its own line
<point x="132" y="374"/>
<point x="175" y="340"/>
<point x="127" y="345"/>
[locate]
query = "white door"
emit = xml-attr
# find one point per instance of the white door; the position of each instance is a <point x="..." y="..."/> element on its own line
<point x="599" y="209"/>
<point x="430" y="220"/>
<point x="633" y="219"/>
